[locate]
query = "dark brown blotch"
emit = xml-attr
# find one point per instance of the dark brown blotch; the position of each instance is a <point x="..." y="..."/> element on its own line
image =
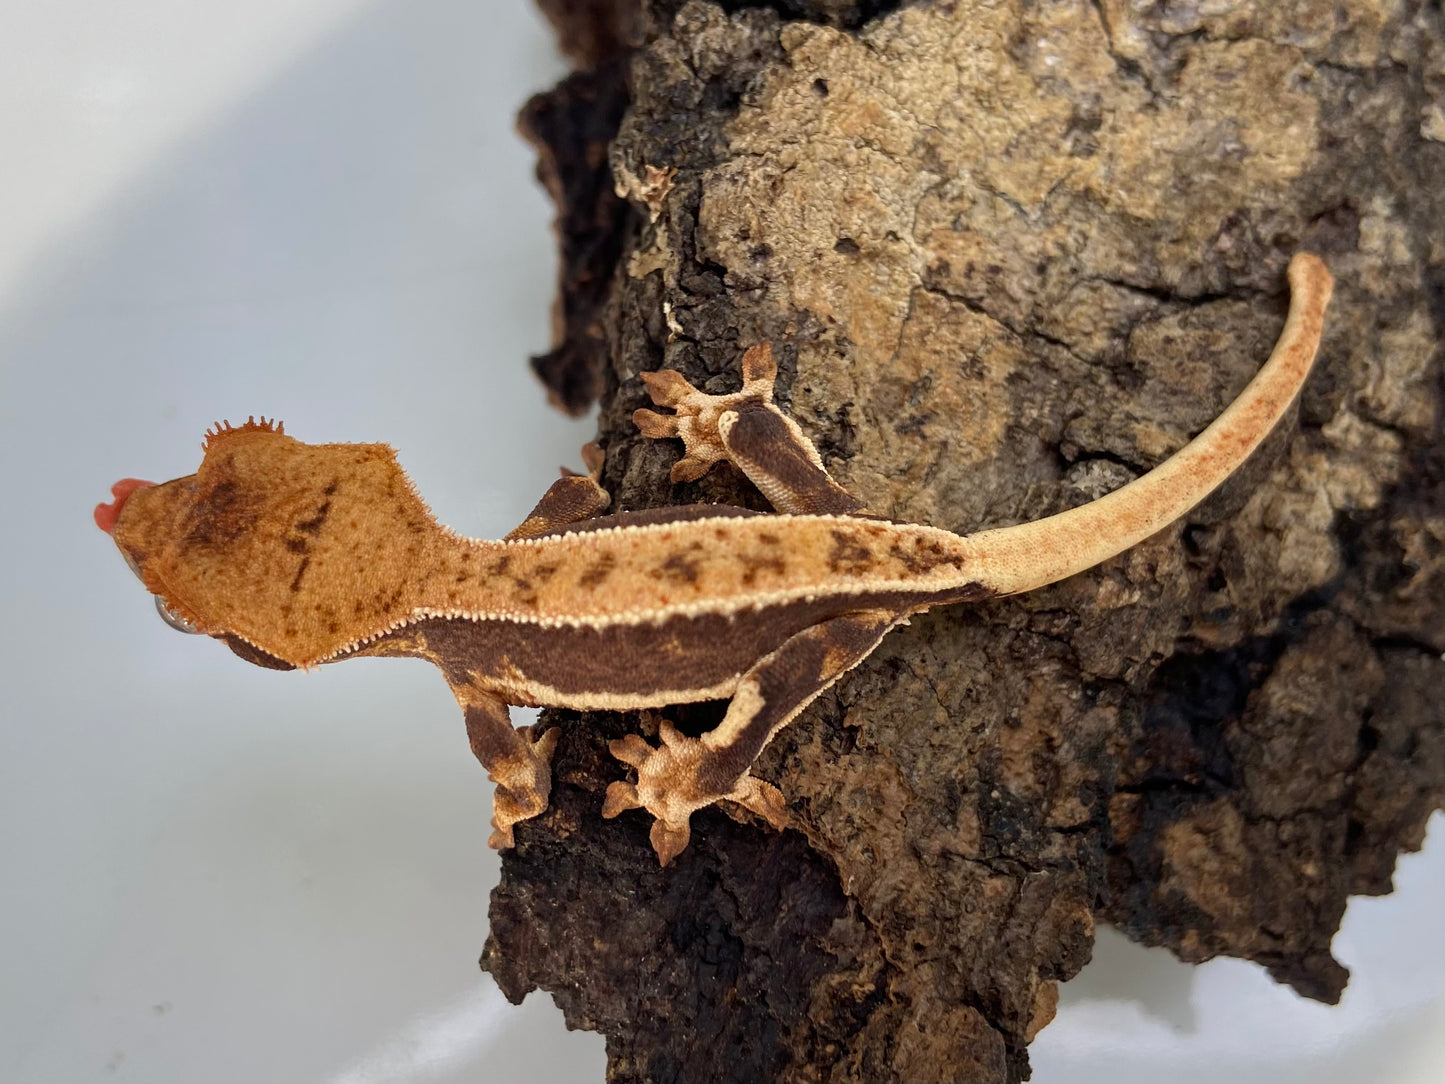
<point x="300" y="572"/>
<point x="914" y="562"/>
<point x="598" y="572"/>
<point x="849" y="556"/>
<point x="313" y="525"/>
<point x="924" y="556"/>
<point x="383" y="604"/>
<point x="680" y="568"/>
<point x="755" y="563"/>
<point x="224" y="514"/>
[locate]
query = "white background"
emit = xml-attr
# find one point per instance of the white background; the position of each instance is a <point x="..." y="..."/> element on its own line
<point x="317" y="209"/>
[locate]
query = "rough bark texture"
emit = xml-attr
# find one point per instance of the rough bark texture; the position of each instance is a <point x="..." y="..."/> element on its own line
<point x="1013" y="254"/>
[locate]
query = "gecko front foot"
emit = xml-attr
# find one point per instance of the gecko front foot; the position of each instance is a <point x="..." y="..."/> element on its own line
<point x="670" y="785"/>
<point x="524" y="784"/>
<point x="695" y="413"/>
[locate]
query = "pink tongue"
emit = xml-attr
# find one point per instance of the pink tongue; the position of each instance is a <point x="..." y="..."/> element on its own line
<point x="107" y="514"/>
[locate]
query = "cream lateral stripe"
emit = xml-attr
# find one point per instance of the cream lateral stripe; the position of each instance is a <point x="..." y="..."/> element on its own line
<point x="600" y="700"/>
<point x="1012" y="560"/>
<point x="747" y="702"/>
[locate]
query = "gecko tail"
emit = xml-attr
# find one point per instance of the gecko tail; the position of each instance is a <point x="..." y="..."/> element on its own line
<point x="1011" y="560"/>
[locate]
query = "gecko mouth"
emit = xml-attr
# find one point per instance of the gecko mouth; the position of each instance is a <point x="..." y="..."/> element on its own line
<point x="107" y="514"/>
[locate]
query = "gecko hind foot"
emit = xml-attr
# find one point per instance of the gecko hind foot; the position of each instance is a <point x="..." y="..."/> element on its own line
<point x="522" y="789"/>
<point x="696" y="413"/>
<point x="670" y="786"/>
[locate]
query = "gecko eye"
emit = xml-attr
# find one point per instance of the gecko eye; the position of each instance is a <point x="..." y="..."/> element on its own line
<point x="173" y="619"/>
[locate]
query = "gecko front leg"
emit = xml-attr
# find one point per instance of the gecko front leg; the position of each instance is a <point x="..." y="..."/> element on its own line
<point x="572" y="498"/>
<point x="518" y="763"/>
<point x="683" y="775"/>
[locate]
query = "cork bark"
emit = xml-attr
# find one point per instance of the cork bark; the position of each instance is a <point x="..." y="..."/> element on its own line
<point x="1011" y="255"/>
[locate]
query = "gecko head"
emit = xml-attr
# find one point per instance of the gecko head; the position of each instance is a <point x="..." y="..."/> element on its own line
<point x="106" y="517"/>
<point x="261" y="546"/>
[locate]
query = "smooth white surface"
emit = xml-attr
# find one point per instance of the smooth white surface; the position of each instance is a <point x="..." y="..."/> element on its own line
<point x="316" y="210"/>
<point x="216" y="872"/>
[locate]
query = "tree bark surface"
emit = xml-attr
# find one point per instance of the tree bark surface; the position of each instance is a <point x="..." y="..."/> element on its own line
<point x="1011" y="255"/>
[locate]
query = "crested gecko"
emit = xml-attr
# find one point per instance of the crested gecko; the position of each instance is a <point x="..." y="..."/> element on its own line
<point x="296" y="555"/>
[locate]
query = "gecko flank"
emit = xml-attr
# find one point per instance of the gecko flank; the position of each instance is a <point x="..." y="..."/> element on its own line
<point x="297" y="555"/>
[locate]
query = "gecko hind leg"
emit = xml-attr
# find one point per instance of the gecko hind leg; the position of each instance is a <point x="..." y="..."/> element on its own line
<point x="573" y="498"/>
<point x="682" y="775"/>
<point x="516" y="760"/>
<point x="748" y="430"/>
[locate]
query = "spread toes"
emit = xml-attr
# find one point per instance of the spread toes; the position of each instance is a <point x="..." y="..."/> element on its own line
<point x="522" y="789"/>
<point x="669" y="388"/>
<point x="653" y="425"/>
<point x="669" y="786"/>
<point x="762" y="798"/>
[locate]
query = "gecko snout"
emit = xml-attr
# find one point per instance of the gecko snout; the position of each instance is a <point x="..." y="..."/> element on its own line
<point x="107" y="514"/>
